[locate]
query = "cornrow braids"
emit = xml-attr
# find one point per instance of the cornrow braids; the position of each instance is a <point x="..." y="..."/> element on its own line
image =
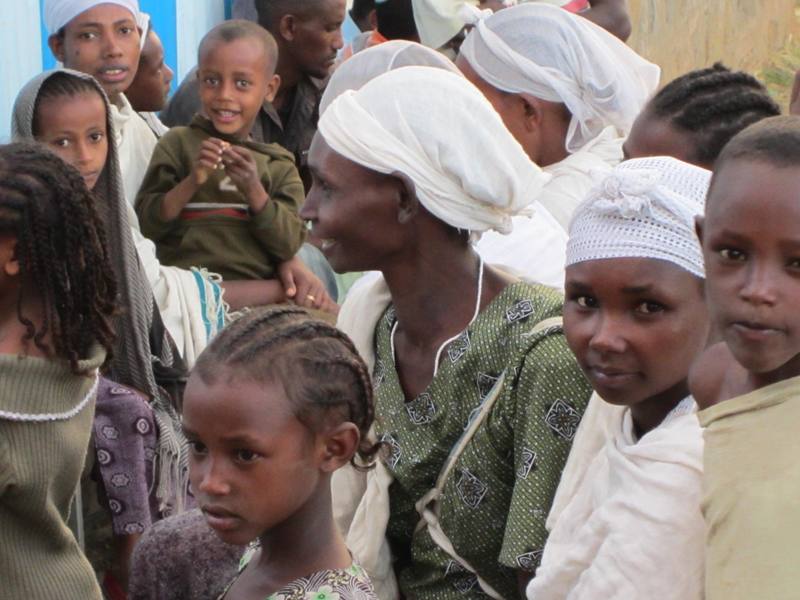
<point x="317" y="365"/>
<point x="58" y="85"/>
<point x="62" y="250"/>
<point x="712" y="105"/>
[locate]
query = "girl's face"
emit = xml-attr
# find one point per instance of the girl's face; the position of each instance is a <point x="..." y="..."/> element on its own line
<point x="635" y="326"/>
<point x="74" y="127"/>
<point x="751" y="247"/>
<point x="252" y="464"/>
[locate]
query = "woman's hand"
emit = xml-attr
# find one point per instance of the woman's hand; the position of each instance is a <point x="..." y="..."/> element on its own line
<point x="305" y="288"/>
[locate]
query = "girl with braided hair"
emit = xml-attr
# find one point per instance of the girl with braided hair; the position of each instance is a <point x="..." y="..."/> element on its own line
<point x="275" y="405"/>
<point x="57" y="291"/>
<point x="693" y="117"/>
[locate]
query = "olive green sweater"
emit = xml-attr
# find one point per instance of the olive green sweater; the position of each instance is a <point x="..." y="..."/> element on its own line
<point x="216" y="230"/>
<point x="42" y="450"/>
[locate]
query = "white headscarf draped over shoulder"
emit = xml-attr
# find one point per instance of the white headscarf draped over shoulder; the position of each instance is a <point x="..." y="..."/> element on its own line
<point x="645" y="208"/>
<point x="57" y="13"/>
<point x="554" y="55"/>
<point x="366" y="65"/>
<point x="441" y="132"/>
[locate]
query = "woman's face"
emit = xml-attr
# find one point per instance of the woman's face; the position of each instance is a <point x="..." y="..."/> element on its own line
<point x="353" y="212"/>
<point x="635" y="325"/>
<point x="74" y="128"/>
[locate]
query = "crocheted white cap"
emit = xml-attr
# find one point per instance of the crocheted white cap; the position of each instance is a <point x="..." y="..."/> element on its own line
<point x="643" y="208"/>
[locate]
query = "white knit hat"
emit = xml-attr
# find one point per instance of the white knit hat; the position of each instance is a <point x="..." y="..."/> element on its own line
<point x="58" y="13"/>
<point x="645" y="208"/>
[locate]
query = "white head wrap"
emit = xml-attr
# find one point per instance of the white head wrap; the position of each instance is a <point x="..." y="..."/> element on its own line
<point x="366" y="65"/>
<point x="554" y="55"/>
<point x="441" y="132"/>
<point x="57" y="13"/>
<point x="645" y="208"/>
<point x="143" y="21"/>
<point x="439" y="21"/>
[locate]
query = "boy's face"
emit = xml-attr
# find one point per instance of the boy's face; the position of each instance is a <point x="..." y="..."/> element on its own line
<point x="317" y="39"/>
<point x="235" y="79"/>
<point x="150" y="88"/>
<point x="74" y="128"/>
<point x="104" y="43"/>
<point x="751" y="247"/>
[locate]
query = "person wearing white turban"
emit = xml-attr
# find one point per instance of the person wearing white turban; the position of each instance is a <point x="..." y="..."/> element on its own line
<point x="626" y="521"/>
<point x="402" y="186"/>
<point x="547" y="240"/>
<point x="119" y="23"/>
<point x="566" y="88"/>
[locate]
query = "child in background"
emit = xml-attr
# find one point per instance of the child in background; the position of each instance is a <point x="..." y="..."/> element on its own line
<point x="123" y="491"/>
<point x="211" y="197"/>
<point x="57" y="293"/>
<point x="150" y="88"/>
<point x="273" y="407"/>
<point x="693" y="117"/>
<point x="635" y="317"/>
<point x="749" y="384"/>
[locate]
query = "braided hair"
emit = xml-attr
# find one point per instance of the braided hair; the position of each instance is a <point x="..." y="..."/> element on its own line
<point x="62" y="250"/>
<point x="318" y="366"/>
<point x="711" y="106"/>
<point x="58" y="85"/>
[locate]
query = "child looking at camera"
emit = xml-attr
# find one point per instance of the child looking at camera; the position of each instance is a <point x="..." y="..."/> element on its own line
<point x="749" y="384"/>
<point x="275" y="405"/>
<point x="212" y="197"/>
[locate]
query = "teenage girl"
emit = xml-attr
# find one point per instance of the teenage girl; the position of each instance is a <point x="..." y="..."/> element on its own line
<point x="57" y="293"/>
<point x="275" y="405"/>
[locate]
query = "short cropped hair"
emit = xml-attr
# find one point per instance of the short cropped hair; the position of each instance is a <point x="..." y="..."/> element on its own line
<point x="270" y="12"/>
<point x="237" y="29"/>
<point x="775" y="141"/>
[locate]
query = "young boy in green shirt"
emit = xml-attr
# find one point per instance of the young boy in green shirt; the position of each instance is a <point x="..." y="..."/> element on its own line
<point x="212" y="197"/>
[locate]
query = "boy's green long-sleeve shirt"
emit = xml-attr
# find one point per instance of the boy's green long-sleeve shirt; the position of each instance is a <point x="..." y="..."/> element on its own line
<point x="216" y="230"/>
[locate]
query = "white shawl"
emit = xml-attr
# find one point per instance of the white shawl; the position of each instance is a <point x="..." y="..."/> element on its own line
<point x="135" y="145"/>
<point x="634" y="528"/>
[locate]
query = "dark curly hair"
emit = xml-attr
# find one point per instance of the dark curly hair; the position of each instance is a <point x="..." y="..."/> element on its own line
<point x="317" y="365"/>
<point x="711" y="106"/>
<point x="62" y="251"/>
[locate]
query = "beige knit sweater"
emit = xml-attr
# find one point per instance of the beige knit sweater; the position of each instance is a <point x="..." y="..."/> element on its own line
<point x="46" y="417"/>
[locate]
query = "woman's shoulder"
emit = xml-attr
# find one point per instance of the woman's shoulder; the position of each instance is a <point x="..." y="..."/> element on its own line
<point x="351" y="583"/>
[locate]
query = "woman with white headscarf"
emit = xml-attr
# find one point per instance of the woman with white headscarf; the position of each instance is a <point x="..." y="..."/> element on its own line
<point x="627" y="521"/>
<point x="547" y="239"/>
<point x="566" y="88"/>
<point x="477" y="395"/>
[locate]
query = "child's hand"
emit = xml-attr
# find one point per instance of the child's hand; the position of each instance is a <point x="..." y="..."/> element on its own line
<point x="794" y="102"/>
<point x="208" y="159"/>
<point x="243" y="171"/>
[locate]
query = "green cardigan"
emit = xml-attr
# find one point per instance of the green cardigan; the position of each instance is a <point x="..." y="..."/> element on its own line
<point x="40" y="466"/>
<point x="215" y="230"/>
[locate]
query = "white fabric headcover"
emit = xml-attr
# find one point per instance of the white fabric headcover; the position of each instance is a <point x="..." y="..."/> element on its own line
<point x="57" y="13"/>
<point x="439" y="21"/>
<point x="437" y="129"/>
<point x="554" y="55"/>
<point x="366" y="65"/>
<point x="645" y="208"/>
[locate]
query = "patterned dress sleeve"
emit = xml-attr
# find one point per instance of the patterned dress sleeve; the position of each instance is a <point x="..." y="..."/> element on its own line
<point x="548" y="399"/>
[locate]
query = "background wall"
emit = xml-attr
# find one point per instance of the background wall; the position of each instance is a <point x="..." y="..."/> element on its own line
<point x="681" y="35"/>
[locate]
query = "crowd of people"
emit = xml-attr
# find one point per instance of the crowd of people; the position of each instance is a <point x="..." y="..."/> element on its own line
<point x="474" y="305"/>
